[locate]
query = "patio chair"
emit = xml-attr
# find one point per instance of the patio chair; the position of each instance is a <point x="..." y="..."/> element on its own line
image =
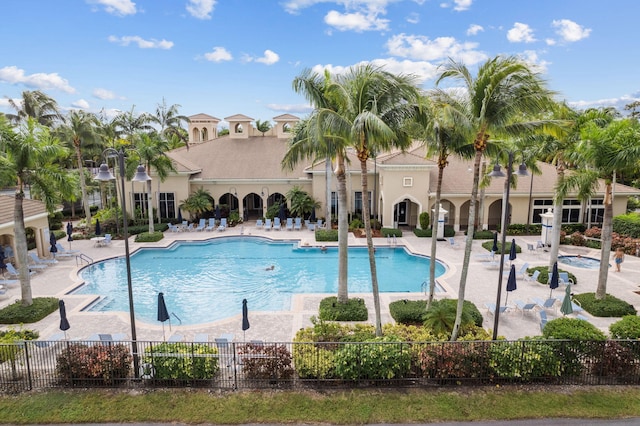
<point x="38" y="261"/>
<point x="223" y="224"/>
<point x="62" y="252"/>
<point x="453" y="243"/>
<point x="547" y="303"/>
<point x="486" y="257"/>
<point x="522" y="272"/>
<point x="259" y="224"/>
<point x="297" y="225"/>
<point x="491" y="308"/>
<point x="11" y="270"/>
<point x="201" y="225"/>
<point x="201" y="338"/>
<point x="563" y="278"/>
<point x="531" y="248"/>
<point x="4" y="282"/>
<point x="289" y="224"/>
<point x="267" y="225"/>
<point x="277" y="224"/>
<point x="525" y="307"/>
<point x="534" y="277"/>
<point x="319" y="224"/>
<point x="175" y="338"/>
<point x="212" y="224"/>
<point x="107" y="240"/>
<point x="543" y="320"/>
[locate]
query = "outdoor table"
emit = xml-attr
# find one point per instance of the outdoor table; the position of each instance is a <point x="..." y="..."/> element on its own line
<point x="99" y="241"/>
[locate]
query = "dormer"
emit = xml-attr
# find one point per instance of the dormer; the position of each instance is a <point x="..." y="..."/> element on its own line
<point x="284" y="125"/>
<point x="202" y="127"/>
<point x="239" y="126"/>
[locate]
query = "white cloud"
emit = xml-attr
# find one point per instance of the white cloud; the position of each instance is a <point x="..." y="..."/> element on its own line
<point x="474" y="29"/>
<point x="618" y="103"/>
<point x="80" y="103"/>
<point x="423" y="70"/>
<point x="520" y="33"/>
<point x="201" y="9"/>
<point x="103" y="94"/>
<point x="536" y="64"/>
<point x="422" y="48"/>
<point x="142" y="43"/>
<point x="52" y="81"/>
<point x="291" y="108"/>
<point x="550" y="42"/>
<point x="356" y="21"/>
<point x="461" y="5"/>
<point x="270" y="57"/>
<point x="218" y="54"/>
<point x="413" y="18"/>
<point x="570" y="31"/>
<point x="116" y="7"/>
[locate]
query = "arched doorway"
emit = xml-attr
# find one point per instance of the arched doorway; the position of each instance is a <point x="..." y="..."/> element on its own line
<point x="252" y="206"/>
<point x="405" y="213"/>
<point x="495" y="215"/>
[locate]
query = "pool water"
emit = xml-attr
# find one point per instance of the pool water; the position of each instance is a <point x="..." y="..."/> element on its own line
<point x="207" y="280"/>
<point x="580" y="262"/>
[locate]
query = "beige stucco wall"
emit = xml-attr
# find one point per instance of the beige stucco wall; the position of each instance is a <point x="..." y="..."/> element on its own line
<point x="399" y="184"/>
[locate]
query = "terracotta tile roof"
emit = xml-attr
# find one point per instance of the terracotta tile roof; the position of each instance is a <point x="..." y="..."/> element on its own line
<point x="31" y="208"/>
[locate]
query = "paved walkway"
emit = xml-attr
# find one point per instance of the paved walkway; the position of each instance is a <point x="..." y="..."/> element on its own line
<point x="58" y="280"/>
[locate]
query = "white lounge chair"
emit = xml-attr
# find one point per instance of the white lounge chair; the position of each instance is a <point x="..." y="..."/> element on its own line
<point x="543" y="320"/>
<point x="201" y="225"/>
<point x="267" y="224"/>
<point x="547" y="303"/>
<point x="491" y="308"/>
<point x="13" y="272"/>
<point x="201" y="338"/>
<point x="533" y="277"/>
<point x="298" y="224"/>
<point x="277" y="224"/>
<point x="289" y="225"/>
<point x="62" y="252"/>
<point x="175" y="338"/>
<point x="259" y="224"/>
<point x="485" y="257"/>
<point x="223" y="224"/>
<point x="107" y="240"/>
<point x="38" y="261"/>
<point x="212" y="224"/>
<point x="525" y="307"/>
<point x="453" y="243"/>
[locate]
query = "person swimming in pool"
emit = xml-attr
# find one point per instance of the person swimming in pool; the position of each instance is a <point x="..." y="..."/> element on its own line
<point x="270" y="268"/>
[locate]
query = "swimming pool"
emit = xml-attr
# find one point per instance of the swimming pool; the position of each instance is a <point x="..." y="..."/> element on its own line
<point x="206" y="281"/>
<point x="580" y="261"/>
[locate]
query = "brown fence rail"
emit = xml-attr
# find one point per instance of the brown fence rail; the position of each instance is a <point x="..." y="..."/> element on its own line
<point x="43" y="364"/>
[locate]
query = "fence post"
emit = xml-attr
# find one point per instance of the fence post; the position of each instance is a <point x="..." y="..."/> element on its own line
<point x="26" y="357"/>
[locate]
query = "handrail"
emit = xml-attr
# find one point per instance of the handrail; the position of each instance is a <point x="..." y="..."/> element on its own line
<point x="80" y="258"/>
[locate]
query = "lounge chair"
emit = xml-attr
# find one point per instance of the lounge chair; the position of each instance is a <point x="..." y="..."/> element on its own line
<point x="453" y="243"/>
<point x="297" y="224"/>
<point x="582" y="317"/>
<point x="39" y="261"/>
<point x="525" y="307"/>
<point x="201" y="338"/>
<point x="534" y="277"/>
<point x="319" y="224"/>
<point x="277" y="224"/>
<point x="267" y="224"/>
<point x="62" y="252"/>
<point x="175" y="338"/>
<point x="259" y="224"/>
<point x="107" y="240"/>
<point x="311" y="226"/>
<point x="546" y="304"/>
<point x="212" y="224"/>
<point x="9" y="283"/>
<point x="173" y="228"/>
<point x="522" y="272"/>
<point x="563" y="278"/>
<point x="289" y="224"/>
<point x="201" y="225"/>
<point x="491" y="307"/>
<point x="223" y="224"/>
<point x="531" y="249"/>
<point x="543" y="320"/>
<point x="486" y="257"/>
<point x="11" y="270"/>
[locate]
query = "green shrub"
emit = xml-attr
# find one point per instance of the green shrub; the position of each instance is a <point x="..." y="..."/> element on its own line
<point x="507" y="246"/>
<point x="615" y="359"/>
<point x="483" y="235"/>
<point x="355" y="224"/>
<point x="424" y="220"/>
<point x="100" y="364"/>
<point x="146" y="237"/>
<point x="380" y="359"/>
<point x="353" y="310"/>
<point x="55" y="221"/>
<point x="313" y="361"/>
<point x="450" y="360"/>
<point x="326" y="235"/>
<point x="18" y="314"/>
<point x="627" y="224"/>
<point x="183" y="361"/>
<point x="610" y="306"/>
<point x="572" y="329"/>
<point x="139" y="229"/>
<point x="375" y="224"/>
<point x="410" y="312"/>
<point x="266" y="362"/>
<point x="521" y="229"/>
<point x="390" y="232"/>
<point x="627" y="328"/>
<point x="543" y="278"/>
<point x="531" y="360"/>
<point x="422" y="232"/>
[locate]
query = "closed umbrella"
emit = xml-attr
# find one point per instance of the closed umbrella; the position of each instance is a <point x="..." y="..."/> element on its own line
<point x="282" y="214"/>
<point x="566" y="307"/>
<point x="163" y="313"/>
<point x="64" y="323"/>
<point x="494" y="248"/>
<point x="217" y="213"/>
<point x="3" y="265"/>
<point x="52" y="242"/>
<point x="512" y="251"/>
<point x="179" y="216"/>
<point x="511" y="283"/>
<point x="554" y="282"/>
<point x="98" y="230"/>
<point x="245" y="318"/>
<point x="69" y="232"/>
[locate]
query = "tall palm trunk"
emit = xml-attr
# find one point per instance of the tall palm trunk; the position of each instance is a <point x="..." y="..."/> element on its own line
<point x="343" y="231"/>
<point x="150" y="202"/>
<point x="471" y="230"/>
<point x="607" y="231"/>
<point x="442" y="163"/>
<point x="21" y="249"/>
<point x="83" y="185"/>
<point x="366" y="216"/>
<point x="556" y="226"/>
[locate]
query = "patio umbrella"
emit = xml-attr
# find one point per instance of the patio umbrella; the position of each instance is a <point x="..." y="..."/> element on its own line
<point x="554" y="282"/>
<point x="282" y="214"/>
<point x="245" y="318"/>
<point x="52" y="241"/>
<point x="566" y="307"/>
<point x="3" y="265"/>
<point x="512" y="252"/>
<point x="511" y="283"/>
<point x="217" y="212"/>
<point x="98" y="230"/>
<point x="69" y="232"/>
<point x="163" y="314"/>
<point x="179" y="216"/>
<point x="495" y="243"/>
<point x="64" y="323"/>
<point x="312" y="218"/>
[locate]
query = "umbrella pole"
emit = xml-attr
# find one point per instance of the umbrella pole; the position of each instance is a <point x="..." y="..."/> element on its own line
<point x="163" y="336"/>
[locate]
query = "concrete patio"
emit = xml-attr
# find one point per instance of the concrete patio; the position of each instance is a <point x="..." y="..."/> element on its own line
<point x="61" y="278"/>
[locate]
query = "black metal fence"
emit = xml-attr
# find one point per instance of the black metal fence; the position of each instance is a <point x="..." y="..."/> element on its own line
<point x="40" y="364"/>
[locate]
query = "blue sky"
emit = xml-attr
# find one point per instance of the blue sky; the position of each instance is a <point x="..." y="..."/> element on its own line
<point x="226" y="57"/>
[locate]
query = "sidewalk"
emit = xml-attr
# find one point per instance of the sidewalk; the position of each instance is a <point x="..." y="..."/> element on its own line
<point x="481" y="288"/>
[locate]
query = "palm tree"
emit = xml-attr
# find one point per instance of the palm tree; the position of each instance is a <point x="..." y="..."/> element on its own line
<point x="310" y="139"/>
<point x="263" y="126"/>
<point x="373" y="108"/>
<point x="28" y="157"/>
<point x="37" y="105"/>
<point x="602" y="153"/>
<point x="129" y="123"/>
<point x="170" y="122"/>
<point x="301" y="202"/>
<point x="496" y="102"/>
<point x="151" y="149"/>
<point x="80" y="127"/>
<point x="198" y="202"/>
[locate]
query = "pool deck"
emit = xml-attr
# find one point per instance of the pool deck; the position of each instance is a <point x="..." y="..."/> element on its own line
<point x="481" y="288"/>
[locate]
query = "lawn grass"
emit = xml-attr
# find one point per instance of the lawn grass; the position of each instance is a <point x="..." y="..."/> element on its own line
<point x="334" y="407"/>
